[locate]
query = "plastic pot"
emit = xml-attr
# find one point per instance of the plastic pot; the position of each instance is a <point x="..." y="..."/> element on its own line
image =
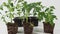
<point x="34" y="20"/>
<point x="18" y="21"/>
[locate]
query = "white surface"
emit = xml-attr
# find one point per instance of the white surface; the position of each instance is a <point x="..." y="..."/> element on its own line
<point x="35" y="33"/>
<point x="3" y="28"/>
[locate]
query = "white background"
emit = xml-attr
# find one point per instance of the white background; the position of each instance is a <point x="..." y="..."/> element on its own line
<point x="55" y="3"/>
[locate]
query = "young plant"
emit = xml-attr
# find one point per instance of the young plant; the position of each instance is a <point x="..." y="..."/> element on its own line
<point x="19" y="7"/>
<point x="26" y="10"/>
<point x="37" y="10"/>
<point x="8" y="13"/>
<point x="10" y="9"/>
<point x="49" y="15"/>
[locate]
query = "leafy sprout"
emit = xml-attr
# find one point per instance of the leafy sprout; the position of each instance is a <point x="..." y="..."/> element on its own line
<point x="11" y="8"/>
<point x="49" y="15"/>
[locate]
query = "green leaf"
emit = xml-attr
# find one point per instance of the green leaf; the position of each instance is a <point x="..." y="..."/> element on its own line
<point x="18" y="9"/>
<point x="8" y="6"/>
<point x="4" y="3"/>
<point x="11" y="15"/>
<point x="19" y="13"/>
<point x="37" y="9"/>
<point x="2" y="17"/>
<point x="23" y="9"/>
<point x="11" y="9"/>
<point x="51" y="22"/>
<point x="40" y="17"/>
<point x="1" y="7"/>
<point x="46" y="9"/>
<point x="25" y="3"/>
<point x="11" y="4"/>
<point x="38" y="3"/>
<point x="42" y="6"/>
<point x="28" y="8"/>
<point x="42" y="13"/>
<point x="35" y="13"/>
<point x="20" y="1"/>
<point x="18" y="6"/>
<point x="54" y="16"/>
<point x="45" y="16"/>
<point x="9" y="1"/>
<point x="52" y="7"/>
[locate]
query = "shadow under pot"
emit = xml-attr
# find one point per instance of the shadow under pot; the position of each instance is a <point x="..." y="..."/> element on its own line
<point x="28" y="29"/>
<point x="12" y="28"/>
<point x="34" y="20"/>
<point x="48" y="28"/>
<point x="18" y="21"/>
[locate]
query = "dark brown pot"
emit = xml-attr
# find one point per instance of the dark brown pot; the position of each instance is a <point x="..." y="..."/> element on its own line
<point x="12" y="28"/>
<point x="48" y="28"/>
<point x="28" y="29"/>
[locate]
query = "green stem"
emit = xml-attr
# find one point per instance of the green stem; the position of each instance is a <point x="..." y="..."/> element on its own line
<point x="11" y="17"/>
